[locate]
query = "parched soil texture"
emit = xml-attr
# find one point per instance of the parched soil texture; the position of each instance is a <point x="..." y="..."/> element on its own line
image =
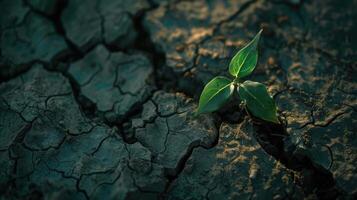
<point x="97" y="100"/>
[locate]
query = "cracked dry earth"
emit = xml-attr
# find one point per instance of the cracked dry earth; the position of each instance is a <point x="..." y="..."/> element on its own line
<point x="98" y="96"/>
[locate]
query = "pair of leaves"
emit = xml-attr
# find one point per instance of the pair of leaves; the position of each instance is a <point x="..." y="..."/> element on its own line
<point x="255" y="95"/>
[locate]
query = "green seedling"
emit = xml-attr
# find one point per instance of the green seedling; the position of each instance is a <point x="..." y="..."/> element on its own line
<point x="253" y="94"/>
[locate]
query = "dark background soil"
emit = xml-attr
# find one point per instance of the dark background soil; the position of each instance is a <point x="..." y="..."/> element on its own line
<point x="97" y="100"/>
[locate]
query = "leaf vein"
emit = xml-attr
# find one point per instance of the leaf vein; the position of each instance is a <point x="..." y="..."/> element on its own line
<point x="215" y="94"/>
<point x="250" y="94"/>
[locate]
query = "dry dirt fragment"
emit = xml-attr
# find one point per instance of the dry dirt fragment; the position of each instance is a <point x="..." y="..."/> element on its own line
<point x="114" y="82"/>
<point x="89" y="22"/>
<point x="34" y="38"/>
<point x="47" y="7"/>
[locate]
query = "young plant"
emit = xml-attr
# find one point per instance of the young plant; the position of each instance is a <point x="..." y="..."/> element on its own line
<point x="253" y="94"/>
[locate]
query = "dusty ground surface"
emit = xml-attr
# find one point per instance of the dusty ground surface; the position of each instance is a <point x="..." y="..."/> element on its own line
<point x="97" y="100"/>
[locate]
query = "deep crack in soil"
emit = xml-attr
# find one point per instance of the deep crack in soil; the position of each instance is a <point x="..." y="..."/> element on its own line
<point x="314" y="178"/>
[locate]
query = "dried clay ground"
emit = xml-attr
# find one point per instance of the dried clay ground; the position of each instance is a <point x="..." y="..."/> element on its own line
<point x="97" y="100"/>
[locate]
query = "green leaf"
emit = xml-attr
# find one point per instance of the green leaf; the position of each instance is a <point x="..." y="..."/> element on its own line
<point x="244" y="62"/>
<point x="215" y="94"/>
<point x="258" y="101"/>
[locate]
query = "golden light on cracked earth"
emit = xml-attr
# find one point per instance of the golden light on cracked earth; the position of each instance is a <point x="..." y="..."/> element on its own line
<point x="98" y="100"/>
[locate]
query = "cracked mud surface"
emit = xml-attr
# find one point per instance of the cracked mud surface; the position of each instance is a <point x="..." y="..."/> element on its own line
<point x="97" y="100"/>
